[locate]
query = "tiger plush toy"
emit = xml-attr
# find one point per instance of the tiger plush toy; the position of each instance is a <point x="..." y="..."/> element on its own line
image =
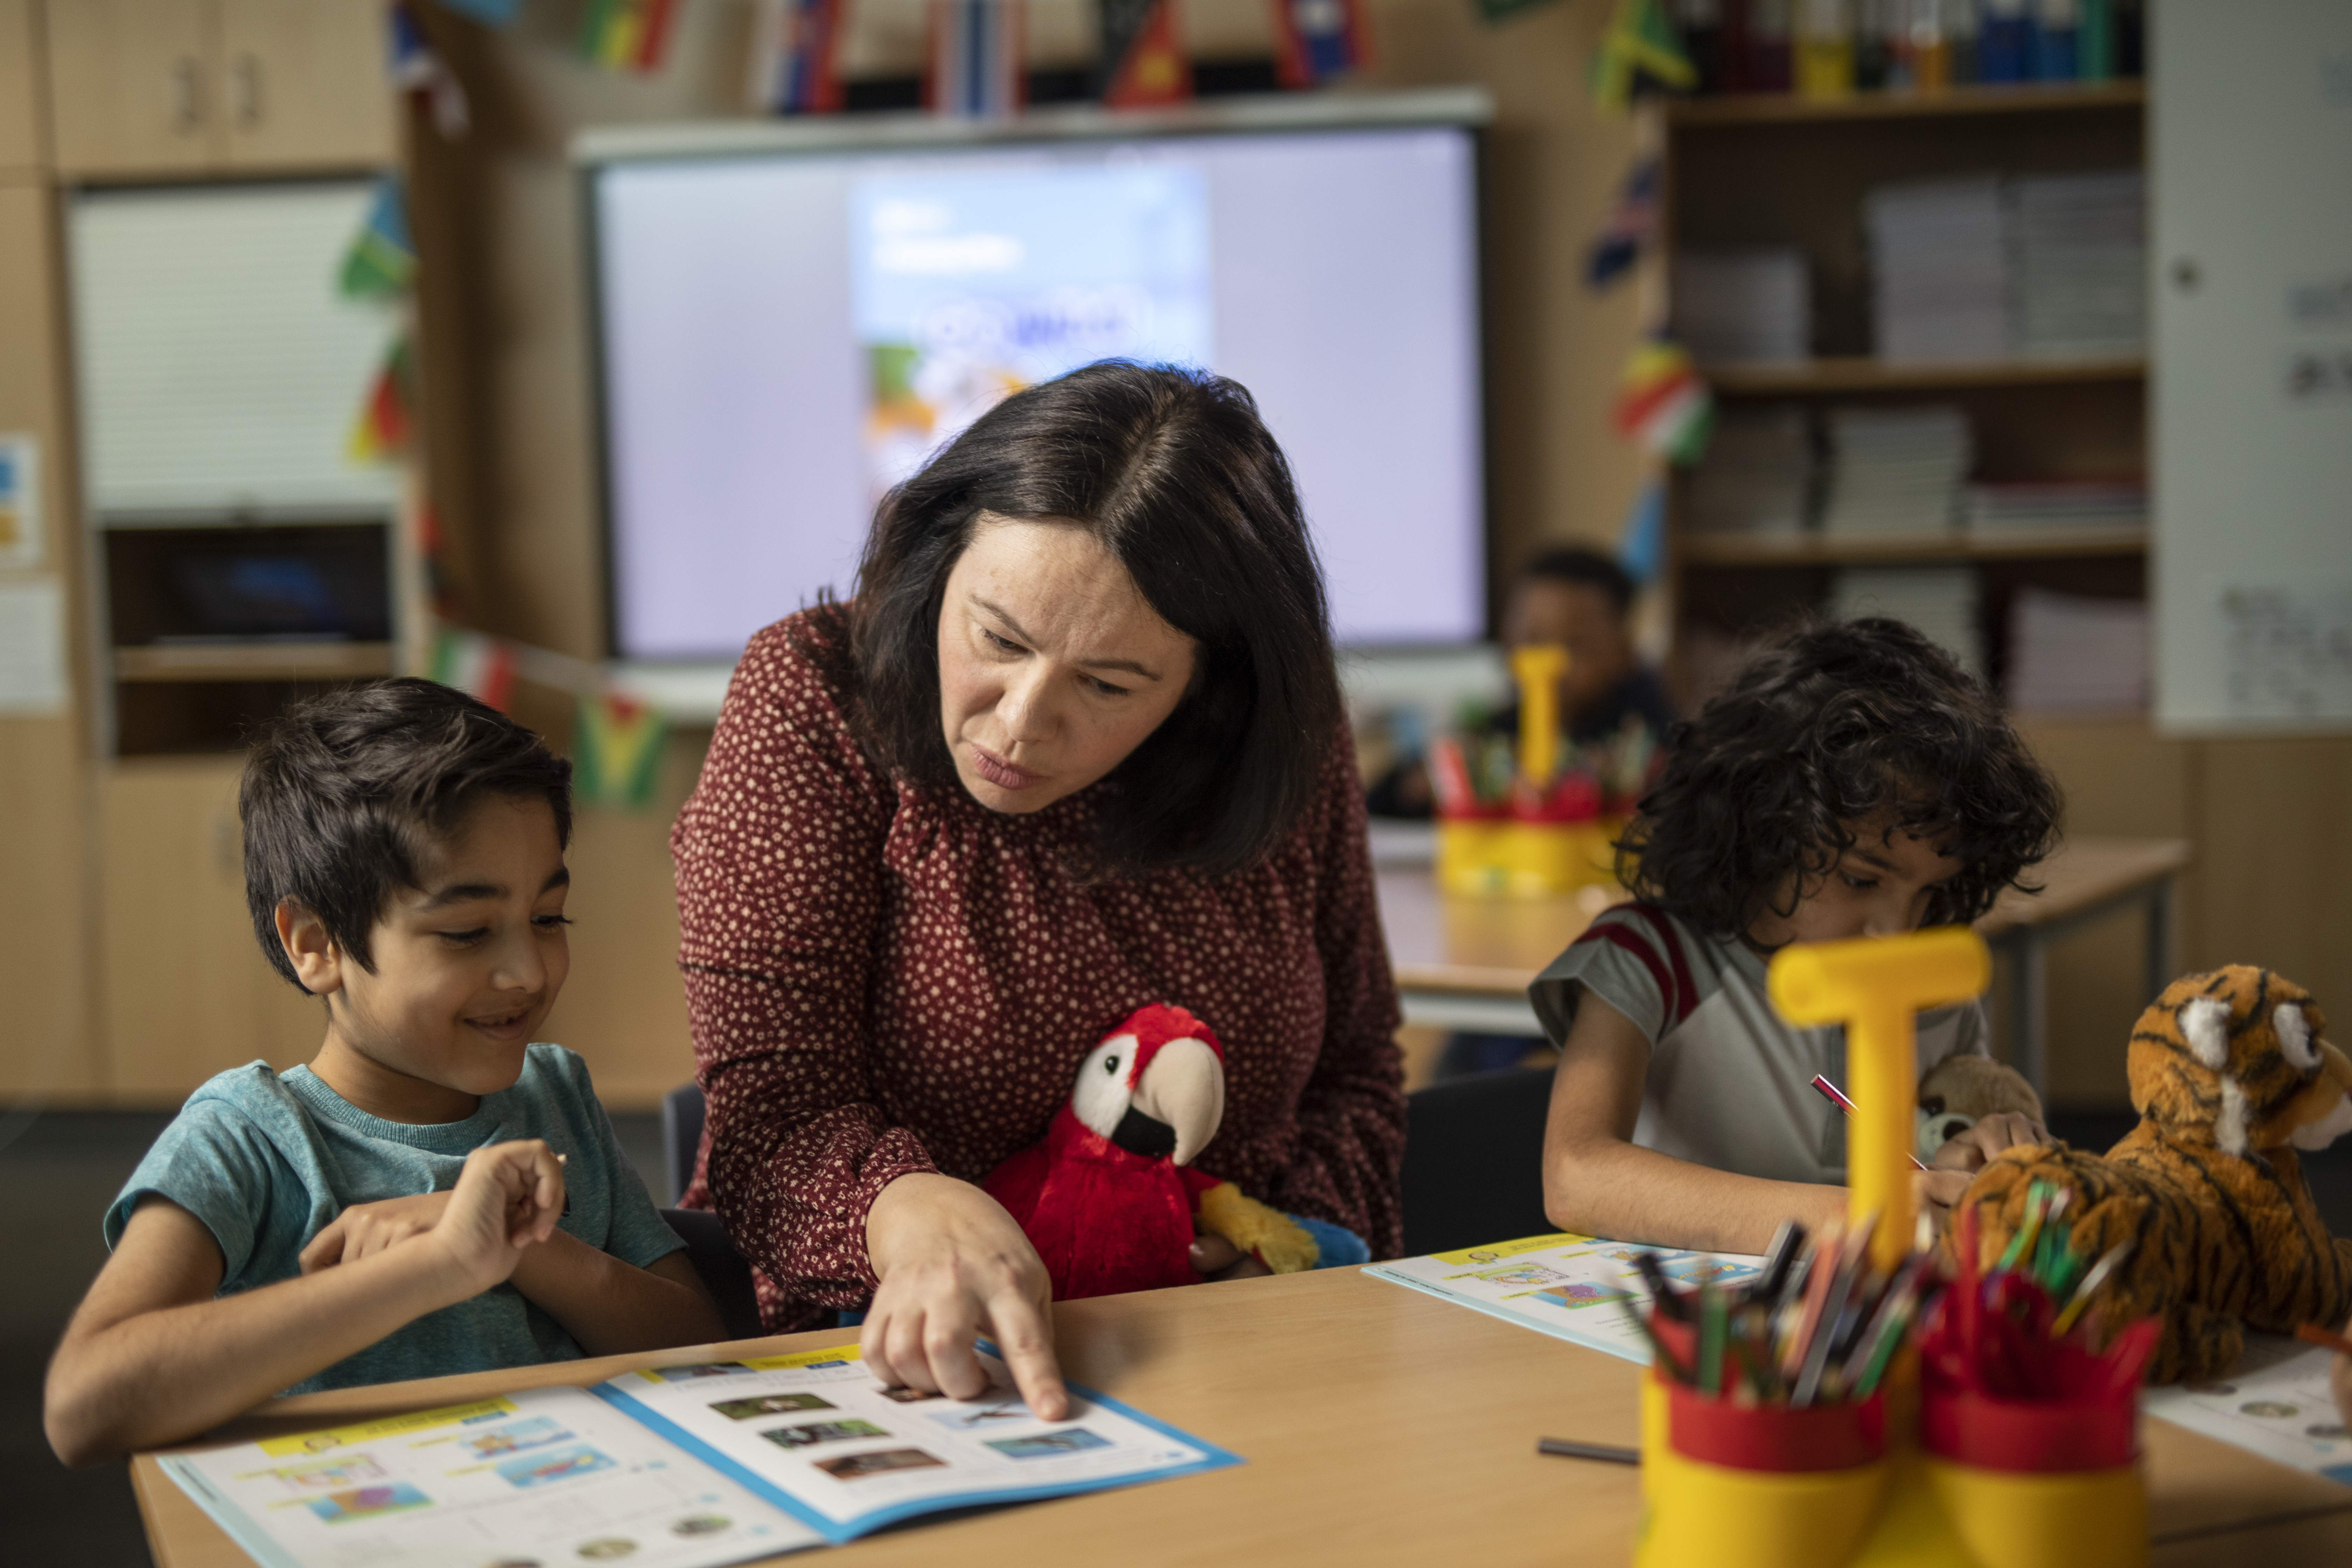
<point x="2230" y="1077"/>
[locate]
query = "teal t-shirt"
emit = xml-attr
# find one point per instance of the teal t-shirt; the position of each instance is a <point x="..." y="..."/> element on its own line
<point x="267" y="1160"/>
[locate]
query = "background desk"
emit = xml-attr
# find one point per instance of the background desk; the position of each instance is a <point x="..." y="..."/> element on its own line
<point x="1466" y="963"/>
<point x="1380" y="1426"/>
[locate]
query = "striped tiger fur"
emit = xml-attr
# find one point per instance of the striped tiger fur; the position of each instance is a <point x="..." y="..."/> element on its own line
<point x="2229" y="1076"/>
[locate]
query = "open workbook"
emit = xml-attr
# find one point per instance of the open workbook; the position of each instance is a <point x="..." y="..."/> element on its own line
<point x="680" y="1467"/>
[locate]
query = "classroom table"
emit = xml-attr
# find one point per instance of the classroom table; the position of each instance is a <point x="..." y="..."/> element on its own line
<point x="1378" y="1425"/>
<point x="1465" y="963"/>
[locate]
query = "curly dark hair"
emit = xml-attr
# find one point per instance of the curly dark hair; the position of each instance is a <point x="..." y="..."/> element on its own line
<point x="1174" y="472"/>
<point x="1830" y="725"/>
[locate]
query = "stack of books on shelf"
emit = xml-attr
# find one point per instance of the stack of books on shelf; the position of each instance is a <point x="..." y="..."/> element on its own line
<point x="2072" y="655"/>
<point x="1940" y="270"/>
<point x="1940" y="601"/>
<point x="2119" y="506"/>
<point x="1757" y="474"/>
<point x="1895" y="471"/>
<point x="2080" y="245"/>
<point x="1747" y="303"/>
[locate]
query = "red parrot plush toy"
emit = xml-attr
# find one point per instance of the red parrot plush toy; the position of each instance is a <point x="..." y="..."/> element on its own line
<point x="1109" y="1199"/>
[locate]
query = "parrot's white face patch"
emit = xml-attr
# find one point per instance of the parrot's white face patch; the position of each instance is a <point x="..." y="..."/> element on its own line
<point x="1102" y="1095"/>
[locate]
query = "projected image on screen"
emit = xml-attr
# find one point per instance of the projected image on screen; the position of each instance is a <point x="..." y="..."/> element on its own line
<point x="784" y="336"/>
<point x="971" y="286"/>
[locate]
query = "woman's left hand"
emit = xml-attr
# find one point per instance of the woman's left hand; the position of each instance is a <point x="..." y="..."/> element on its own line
<point x="1973" y="1147"/>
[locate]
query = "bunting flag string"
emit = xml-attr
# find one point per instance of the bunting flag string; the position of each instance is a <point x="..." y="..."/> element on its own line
<point x="1144" y="65"/>
<point x="1631" y="224"/>
<point x="627" y="34"/>
<point x="387" y="418"/>
<point x="415" y="69"/>
<point x="483" y="667"/>
<point x="974" y="70"/>
<point x="1663" y="403"/>
<point x="1639" y="52"/>
<point x="616" y="750"/>
<point x="795" y="45"/>
<point x="381" y="259"/>
<point x="1317" y="41"/>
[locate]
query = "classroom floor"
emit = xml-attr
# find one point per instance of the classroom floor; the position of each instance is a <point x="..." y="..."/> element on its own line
<point x="57" y="1172"/>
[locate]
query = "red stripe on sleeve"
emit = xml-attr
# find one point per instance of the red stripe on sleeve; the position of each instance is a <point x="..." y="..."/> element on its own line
<point x="1630" y="941"/>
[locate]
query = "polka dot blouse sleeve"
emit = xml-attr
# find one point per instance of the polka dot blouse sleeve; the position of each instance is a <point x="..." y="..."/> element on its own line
<point x="779" y="862"/>
<point x="1350" y="1144"/>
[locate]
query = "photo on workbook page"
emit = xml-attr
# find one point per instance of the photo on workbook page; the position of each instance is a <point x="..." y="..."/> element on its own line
<point x="969" y="284"/>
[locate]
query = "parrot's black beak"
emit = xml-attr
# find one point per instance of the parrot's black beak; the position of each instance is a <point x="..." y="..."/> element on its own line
<point x="1145" y="1135"/>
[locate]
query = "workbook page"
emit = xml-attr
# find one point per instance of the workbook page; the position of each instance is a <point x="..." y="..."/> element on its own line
<point x="2275" y="1402"/>
<point x="1571" y="1287"/>
<point x="554" y="1474"/>
<point x="817" y="1434"/>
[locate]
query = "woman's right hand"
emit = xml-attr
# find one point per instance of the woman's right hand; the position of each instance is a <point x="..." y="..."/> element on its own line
<point x="950" y="1262"/>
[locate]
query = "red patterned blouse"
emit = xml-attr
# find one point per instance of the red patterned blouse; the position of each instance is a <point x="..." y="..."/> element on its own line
<point x="883" y="978"/>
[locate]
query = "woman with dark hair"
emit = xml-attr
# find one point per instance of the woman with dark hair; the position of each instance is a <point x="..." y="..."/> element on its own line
<point x="1075" y="746"/>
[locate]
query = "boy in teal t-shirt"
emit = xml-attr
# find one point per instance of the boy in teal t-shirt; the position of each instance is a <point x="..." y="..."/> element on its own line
<point x="432" y="1193"/>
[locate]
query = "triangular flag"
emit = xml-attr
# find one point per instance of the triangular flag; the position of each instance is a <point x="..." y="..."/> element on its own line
<point x="1638" y="52"/>
<point x="387" y="418"/>
<point x="1663" y="403"/>
<point x="415" y="69"/>
<point x="616" y="752"/>
<point x="1315" y="40"/>
<point x="626" y="34"/>
<point x="480" y="666"/>
<point x="1144" y="65"/>
<point x="1632" y="222"/>
<point x="380" y="260"/>
<point x="795" y="45"/>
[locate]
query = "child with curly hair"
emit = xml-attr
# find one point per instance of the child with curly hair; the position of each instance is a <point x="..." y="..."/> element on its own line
<point x="1853" y="782"/>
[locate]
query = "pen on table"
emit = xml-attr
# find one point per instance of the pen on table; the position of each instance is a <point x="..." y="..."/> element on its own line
<point x="1836" y="1097"/>
<point x="1608" y="1453"/>
<point x="2309" y="1333"/>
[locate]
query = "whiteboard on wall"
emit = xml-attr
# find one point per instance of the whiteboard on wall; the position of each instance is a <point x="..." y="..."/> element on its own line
<point x="220" y="368"/>
<point x="2251" y="148"/>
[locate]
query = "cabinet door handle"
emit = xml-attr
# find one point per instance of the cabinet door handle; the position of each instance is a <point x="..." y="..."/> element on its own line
<point x="246" y="74"/>
<point x="187" y="102"/>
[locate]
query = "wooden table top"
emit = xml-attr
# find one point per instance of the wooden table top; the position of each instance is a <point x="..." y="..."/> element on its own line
<point x="1378" y="1425"/>
<point x="1495" y="947"/>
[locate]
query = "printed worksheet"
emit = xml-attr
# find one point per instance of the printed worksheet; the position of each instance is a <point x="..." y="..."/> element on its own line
<point x="815" y="1434"/>
<point x="551" y="1475"/>
<point x="2276" y="1403"/>
<point x="1570" y="1287"/>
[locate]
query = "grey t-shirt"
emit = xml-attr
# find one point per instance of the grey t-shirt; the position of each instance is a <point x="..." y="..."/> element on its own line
<point x="267" y="1160"/>
<point x="1729" y="1084"/>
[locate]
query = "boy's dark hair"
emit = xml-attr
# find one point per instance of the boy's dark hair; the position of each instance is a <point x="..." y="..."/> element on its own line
<point x="343" y="792"/>
<point x="1172" y="472"/>
<point x="1571" y="564"/>
<point x="1827" y="726"/>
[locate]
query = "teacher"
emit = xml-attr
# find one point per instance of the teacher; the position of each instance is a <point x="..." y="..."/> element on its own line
<point x="1075" y="746"/>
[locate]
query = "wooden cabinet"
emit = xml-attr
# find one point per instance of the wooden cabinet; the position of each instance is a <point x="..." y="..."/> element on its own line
<point x="146" y="88"/>
<point x="187" y="992"/>
<point x="130" y="86"/>
<point x="304" y="83"/>
<point x="22" y="126"/>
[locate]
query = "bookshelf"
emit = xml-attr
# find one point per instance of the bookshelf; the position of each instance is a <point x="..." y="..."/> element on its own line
<point x="1783" y="170"/>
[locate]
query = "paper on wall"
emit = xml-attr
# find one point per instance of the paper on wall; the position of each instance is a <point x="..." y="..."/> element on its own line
<point x="32" y="648"/>
<point x="552" y="1473"/>
<point x="20" y="502"/>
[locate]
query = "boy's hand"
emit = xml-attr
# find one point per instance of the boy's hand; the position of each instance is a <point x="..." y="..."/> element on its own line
<point x="508" y="1196"/>
<point x="363" y="1230"/>
<point x="1940" y="1187"/>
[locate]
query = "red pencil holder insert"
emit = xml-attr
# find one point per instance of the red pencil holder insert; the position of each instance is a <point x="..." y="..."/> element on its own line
<point x="1773" y="1437"/>
<point x="2099" y="1431"/>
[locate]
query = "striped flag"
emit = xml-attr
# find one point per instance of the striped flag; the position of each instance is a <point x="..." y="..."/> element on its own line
<point x="1315" y="40"/>
<point x="380" y="260"/>
<point x="975" y="59"/>
<point x="1663" y="403"/>
<point x="480" y="666"/>
<point x="414" y="67"/>
<point x="1632" y="223"/>
<point x="616" y="750"/>
<point x="795" y="45"/>
<point x="1638" y="53"/>
<point x="1144" y="65"/>
<point x="626" y="34"/>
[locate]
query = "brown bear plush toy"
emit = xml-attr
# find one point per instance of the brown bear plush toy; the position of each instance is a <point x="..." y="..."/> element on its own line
<point x="2230" y="1077"/>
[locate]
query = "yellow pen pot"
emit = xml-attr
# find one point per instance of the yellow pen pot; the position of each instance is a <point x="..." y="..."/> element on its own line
<point x="2046" y="1483"/>
<point x="1470" y="854"/>
<point x="1776" y="1489"/>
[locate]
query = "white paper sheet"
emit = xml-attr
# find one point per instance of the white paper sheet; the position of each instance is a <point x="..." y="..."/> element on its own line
<point x="552" y="1475"/>
<point x="2276" y="1403"/>
<point x="32" y="648"/>
<point x="1566" y="1286"/>
<point x="817" y="1434"/>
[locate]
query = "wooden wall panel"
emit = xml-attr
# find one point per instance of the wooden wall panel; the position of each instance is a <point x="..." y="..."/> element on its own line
<point x="2275" y="850"/>
<point x="24" y="108"/>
